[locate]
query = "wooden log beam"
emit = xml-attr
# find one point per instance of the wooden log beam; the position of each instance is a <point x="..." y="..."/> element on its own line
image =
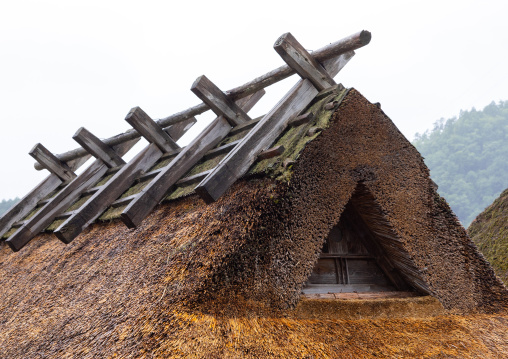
<point x="59" y="203"/>
<point x="155" y="191"/>
<point x="63" y="200"/>
<point x="300" y="120"/>
<point x="150" y="130"/>
<point x="75" y="156"/>
<point x="113" y="189"/>
<point x="21" y="209"/>
<point x="328" y="52"/>
<point x="238" y="161"/>
<point x="218" y="101"/>
<point x="28" y="203"/>
<point x="295" y="55"/>
<point x="271" y="152"/>
<point x="331" y="51"/>
<point x="51" y="162"/>
<point x="98" y="148"/>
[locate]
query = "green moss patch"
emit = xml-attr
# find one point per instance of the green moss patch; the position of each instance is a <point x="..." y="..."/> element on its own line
<point x="489" y="231"/>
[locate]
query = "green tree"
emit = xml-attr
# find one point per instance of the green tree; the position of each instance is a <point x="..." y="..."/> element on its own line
<point x="468" y="158"/>
<point x="6" y="204"/>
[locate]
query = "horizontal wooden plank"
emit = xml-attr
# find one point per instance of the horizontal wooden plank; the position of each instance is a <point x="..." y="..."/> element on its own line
<point x="245" y="126"/>
<point x="271" y="152"/>
<point x="64" y="215"/>
<point x="210" y="94"/>
<point x="194" y="178"/>
<point x="51" y="162"/>
<point x="148" y="198"/>
<point x="92" y="190"/>
<point x="97" y="148"/>
<point x="346" y="256"/>
<point x="221" y="150"/>
<point x="148" y="175"/>
<point x="113" y="189"/>
<point x="175" y="130"/>
<point x="300" y="120"/>
<point x="295" y="55"/>
<point x="331" y="51"/>
<point x="21" y="209"/>
<point x="238" y="161"/>
<point x="62" y="200"/>
<point x="18" y="224"/>
<point x="155" y="191"/>
<point x="101" y="200"/>
<point x="345" y="288"/>
<point x="123" y="201"/>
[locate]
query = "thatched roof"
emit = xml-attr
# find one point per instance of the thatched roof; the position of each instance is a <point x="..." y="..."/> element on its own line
<point x="225" y="279"/>
<point x="489" y="231"/>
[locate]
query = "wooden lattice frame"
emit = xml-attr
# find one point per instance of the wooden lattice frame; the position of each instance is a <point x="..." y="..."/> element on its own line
<point x="53" y="198"/>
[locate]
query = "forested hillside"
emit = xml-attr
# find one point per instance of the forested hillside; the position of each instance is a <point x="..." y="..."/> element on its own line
<point x="468" y="158"/>
<point x="5" y="205"/>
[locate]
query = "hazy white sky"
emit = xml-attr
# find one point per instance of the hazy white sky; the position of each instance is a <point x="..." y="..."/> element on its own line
<point x="67" y="64"/>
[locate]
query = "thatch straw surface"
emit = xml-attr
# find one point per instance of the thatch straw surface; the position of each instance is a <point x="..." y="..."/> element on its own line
<point x="362" y="145"/>
<point x="489" y="231"/>
<point x="224" y="280"/>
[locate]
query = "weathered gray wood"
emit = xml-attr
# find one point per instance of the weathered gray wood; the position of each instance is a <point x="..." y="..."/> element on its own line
<point x="365" y="236"/>
<point x="56" y="205"/>
<point x="28" y="203"/>
<point x="244" y="127"/>
<point x="79" y="155"/>
<point x="221" y="150"/>
<point x="300" y="120"/>
<point x="92" y="190"/>
<point x="179" y="129"/>
<point x="21" y="209"/>
<point x="331" y="51"/>
<point x="98" y="148"/>
<point x="110" y="191"/>
<point x="328" y="52"/>
<point x="194" y="178"/>
<point x="123" y="201"/>
<point x="62" y="200"/>
<point x="51" y="163"/>
<point x="271" y="152"/>
<point x="238" y="161"/>
<point x="96" y="204"/>
<point x="345" y="288"/>
<point x="64" y="215"/>
<point x="295" y="55"/>
<point x="151" y="174"/>
<point x="218" y="101"/>
<point x="150" y="130"/>
<point x="148" y="198"/>
<point x="155" y="191"/>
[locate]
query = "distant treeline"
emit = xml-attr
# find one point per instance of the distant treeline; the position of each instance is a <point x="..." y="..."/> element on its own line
<point x="468" y="158"/>
<point x="6" y="204"/>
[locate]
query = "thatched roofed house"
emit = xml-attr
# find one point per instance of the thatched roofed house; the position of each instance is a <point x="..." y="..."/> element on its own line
<point x="341" y="206"/>
<point x="489" y="231"/>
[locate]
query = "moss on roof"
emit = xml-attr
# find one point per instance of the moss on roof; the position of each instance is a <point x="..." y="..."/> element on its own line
<point x="224" y="279"/>
<point x="489" y="231"/>
<point x="294" y="140"/>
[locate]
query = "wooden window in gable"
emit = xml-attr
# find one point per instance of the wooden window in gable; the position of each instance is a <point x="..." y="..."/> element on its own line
<point x="352" y="261"/>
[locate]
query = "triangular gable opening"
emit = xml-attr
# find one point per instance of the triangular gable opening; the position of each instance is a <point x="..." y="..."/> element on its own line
<point x="362" y="253"/>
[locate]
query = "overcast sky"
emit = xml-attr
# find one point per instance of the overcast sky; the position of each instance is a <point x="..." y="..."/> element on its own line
<point x="67" y="64"/>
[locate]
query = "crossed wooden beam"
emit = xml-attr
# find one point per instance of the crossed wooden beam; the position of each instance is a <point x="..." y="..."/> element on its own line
<point x="105" y="181"/>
